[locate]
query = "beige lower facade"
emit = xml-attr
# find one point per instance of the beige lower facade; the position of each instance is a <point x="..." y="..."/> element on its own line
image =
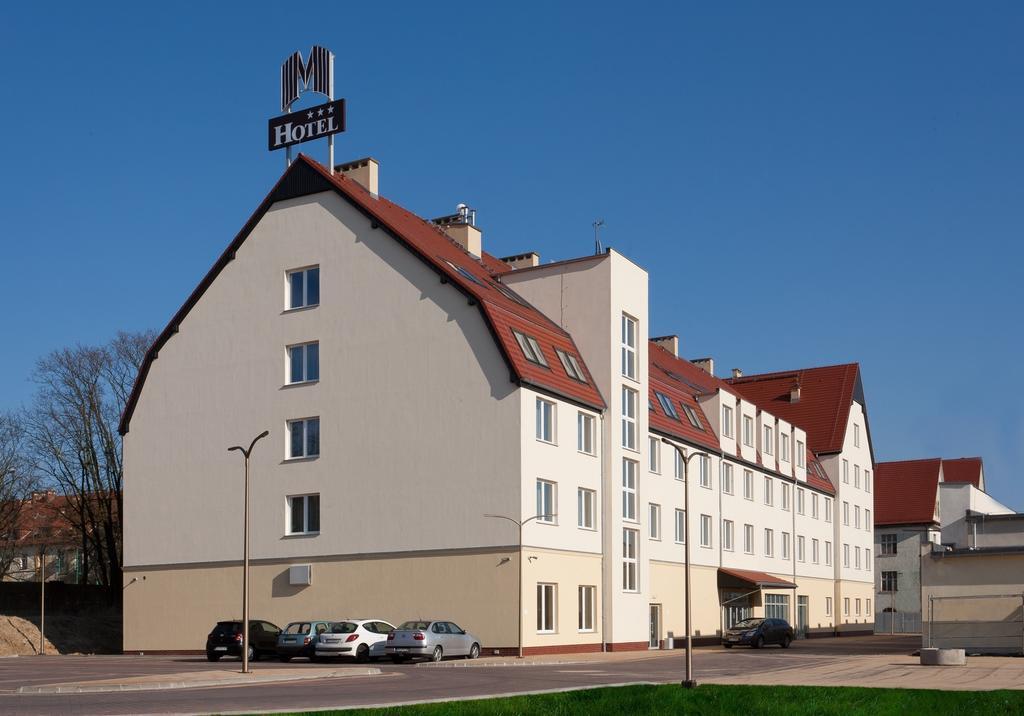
<point x="172" y="608"/>
<point x="855" y="608"/>
<point x="576" y="626"/>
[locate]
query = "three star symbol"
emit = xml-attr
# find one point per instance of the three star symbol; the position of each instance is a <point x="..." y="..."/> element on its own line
<point x="320" y="112"/>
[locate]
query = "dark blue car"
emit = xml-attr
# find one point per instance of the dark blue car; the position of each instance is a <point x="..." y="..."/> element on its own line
<point x="756" y="632"/>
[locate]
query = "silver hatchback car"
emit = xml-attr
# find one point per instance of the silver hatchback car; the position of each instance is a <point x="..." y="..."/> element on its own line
<point x="431" y="639"/>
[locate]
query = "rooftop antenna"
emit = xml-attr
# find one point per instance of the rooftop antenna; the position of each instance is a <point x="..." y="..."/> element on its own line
<point x="597" y="236"/>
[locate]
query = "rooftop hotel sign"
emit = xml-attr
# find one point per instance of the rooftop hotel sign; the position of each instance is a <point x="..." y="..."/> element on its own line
<point x="316" y="74"/>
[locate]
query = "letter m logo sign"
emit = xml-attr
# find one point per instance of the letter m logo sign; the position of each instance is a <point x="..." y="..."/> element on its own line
<point x="316" y="75"/>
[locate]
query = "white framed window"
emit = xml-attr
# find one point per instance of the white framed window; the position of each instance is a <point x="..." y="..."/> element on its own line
<point x="828" y="606"/>
<point x="704" y="470"/>
<point x="814" y="551"/>
<point x="586" y="508"/>
<point x="303" y="514"/>
<point x="705" y="530"/>
<point x="654" y="521"/>
<point x="768" y="448"/>
<point x="768" y="498"/>
<point x="776" y="606"/>
<point x="726" y="478"/>
<point x="748" y="539"/>
<point x="800" y="500"/>
<point x="867" y="559"/>
<point x="769" y="543"/>
<point x="800" y="554"/>
<point x="666" y="405"/>
<point x="726" y="421"/>
<point x="828" y="509"/>
<point x="748" y="431"/>
<point x="784" y="447"/>
<point x="857" y="605"/>
<point x="867" y="519"/>
<point x="785" y="545"/>
<point x="546" y="502"/>
<point x="654" y="454"/>
<point x="629" y="560"/>
<point x="547" y="608"/>
<point x="856" y="557"/>
<point x="727" y="535"/>
<point x="846" y="471"/>
<point x="828" y="553"/>
<point x="846" y="514"/>
<point x="545" y="421"/>
<point x="867" y="480"/>
<point x="585" y="441"/>
<point x="856" y="516"/>
<point x="814" y="505"/>
<point x="846" y="555"/>
<point x="303" y="288"/>
<point x="801" y="453"/>
<point x="303" y="438"/>
<point x="867" y="606"/>
<point x="304" y="363"/>
<point x="680" y="526"/>
<point x="856" y="475"/>
<point x="856" y="435"/>
<point x="629" y="337"/>
<point x="530" y="348"/>
<point x="677" y="464"/>
<point x="785" y="496"/>
<point x="629" y="489"/>
<point x="629" y="400"/>
<point x="572" y="367"/>
<point x="586" y="607"/>
<point x="748" y="484"/>
<point x="846" y="606"/>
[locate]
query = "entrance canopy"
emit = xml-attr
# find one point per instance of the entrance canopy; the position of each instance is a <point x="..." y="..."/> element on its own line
<point x="750" y="580"/>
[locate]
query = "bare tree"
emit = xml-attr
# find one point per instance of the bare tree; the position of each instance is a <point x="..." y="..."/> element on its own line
<point x="72" y="431"/>
<point x="15" y="484"/>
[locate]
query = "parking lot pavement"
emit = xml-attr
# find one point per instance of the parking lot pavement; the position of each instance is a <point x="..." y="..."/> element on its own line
<point x="869" y="661"/>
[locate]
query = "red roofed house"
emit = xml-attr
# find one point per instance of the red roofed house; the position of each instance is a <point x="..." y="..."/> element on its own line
<point x="421" y="395"/>
<point x="42" y="537"/>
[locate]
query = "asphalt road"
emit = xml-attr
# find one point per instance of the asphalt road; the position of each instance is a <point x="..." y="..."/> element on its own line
<point x="398" y="683"/>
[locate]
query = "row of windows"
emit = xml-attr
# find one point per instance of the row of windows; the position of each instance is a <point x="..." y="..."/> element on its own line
<point x="858" y="563"/>
<point x="532" y="352"/>
<point x="547" y="608"/>
<point x="856" y="516"/>
<point x="547" y="505"/>
<point x="728" y="537"/>
<point x="856" y="475"/>
<point x="547" y="427"/>
<point x="768" y="441"/>
<point x="857" y="603"/>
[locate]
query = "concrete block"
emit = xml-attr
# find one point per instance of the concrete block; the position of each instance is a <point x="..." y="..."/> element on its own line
<point x="943" y="657"/>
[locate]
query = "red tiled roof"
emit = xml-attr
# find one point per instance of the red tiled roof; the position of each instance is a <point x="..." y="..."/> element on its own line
<point x="493" y="264"/>
<point x="756" y="579"/>
<point x="905" y="491"/>
<point x="816" y="475"/>
<point x="963" y="469"/>
<point x="501" y="307"/>
<point x="42" y="520"/>
<point x="824" y="406"/>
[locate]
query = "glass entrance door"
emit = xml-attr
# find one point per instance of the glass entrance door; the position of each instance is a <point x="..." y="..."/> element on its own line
<point x="654" y="640"/>
<point x="802" y="615"/>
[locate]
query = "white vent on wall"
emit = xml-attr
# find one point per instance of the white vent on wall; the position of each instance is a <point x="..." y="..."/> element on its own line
<point x="300" y="575"/>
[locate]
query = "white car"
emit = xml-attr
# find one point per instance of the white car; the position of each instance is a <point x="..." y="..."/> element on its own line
<point x="361" y="639"/>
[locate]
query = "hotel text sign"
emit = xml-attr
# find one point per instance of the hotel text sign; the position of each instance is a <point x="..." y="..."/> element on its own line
<point x="316" y="74"/>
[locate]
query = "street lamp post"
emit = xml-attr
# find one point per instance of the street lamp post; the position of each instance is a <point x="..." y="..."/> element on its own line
<point x="519" y="610"/>
<point x="245" y="551"/>
<point x="688" y="682"/>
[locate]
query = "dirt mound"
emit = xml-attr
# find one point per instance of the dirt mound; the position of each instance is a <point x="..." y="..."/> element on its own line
<point x="19" y="637"/>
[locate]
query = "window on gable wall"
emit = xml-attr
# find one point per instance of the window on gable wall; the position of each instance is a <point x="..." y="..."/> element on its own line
<point x="304" y="288"/>
<point x="856" y="435"/>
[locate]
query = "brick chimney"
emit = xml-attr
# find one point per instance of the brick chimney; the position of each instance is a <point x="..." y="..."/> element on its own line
<point x="669" y="343"/>
<point x="364" y="171"/>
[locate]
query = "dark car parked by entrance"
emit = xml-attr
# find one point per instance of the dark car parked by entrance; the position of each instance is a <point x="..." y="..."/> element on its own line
<point x="225" y="639"/>
<point x="757" y="632"/>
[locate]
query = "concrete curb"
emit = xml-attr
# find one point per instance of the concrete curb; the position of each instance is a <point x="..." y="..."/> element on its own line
<point x="496" y="664"/>
<point x="242" y="680"/>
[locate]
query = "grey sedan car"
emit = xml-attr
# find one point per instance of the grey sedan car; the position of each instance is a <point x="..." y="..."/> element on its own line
<point x="433" y="639"/>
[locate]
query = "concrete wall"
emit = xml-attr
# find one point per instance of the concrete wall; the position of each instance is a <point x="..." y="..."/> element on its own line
<point x="955" y="499"/>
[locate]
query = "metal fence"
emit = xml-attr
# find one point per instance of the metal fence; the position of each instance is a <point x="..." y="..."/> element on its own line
<point x="980" y="624"/>
<point x="898" y="623"/>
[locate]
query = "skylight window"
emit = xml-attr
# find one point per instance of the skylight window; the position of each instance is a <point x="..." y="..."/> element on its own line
<point x="530" y="348"/>
<point x="666" y="405"/>
<point x="466" y="274"/>
<point x="571" y="365"/>
<point x="692" y="415"/>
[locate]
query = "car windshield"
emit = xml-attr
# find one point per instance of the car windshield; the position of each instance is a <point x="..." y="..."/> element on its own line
<point x="415" y="625"/>
<point x="344" y="628"/>
<point x="297" y="628"/>
<point x="748" y="624"/>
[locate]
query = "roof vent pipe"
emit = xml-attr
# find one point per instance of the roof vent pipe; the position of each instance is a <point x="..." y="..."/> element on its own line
<point x="737" y="373"/>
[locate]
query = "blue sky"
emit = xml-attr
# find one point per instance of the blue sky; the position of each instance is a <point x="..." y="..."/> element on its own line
<point x="807" y="183"/>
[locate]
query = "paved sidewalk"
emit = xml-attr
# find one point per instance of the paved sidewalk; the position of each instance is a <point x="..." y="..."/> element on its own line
<point x="195" y="680"/>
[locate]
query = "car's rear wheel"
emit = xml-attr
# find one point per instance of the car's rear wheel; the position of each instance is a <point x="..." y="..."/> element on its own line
<point x="252" y="654"/>
<point x="213" y="657"/>
<point x="757" y="643"/>
<point x="437" y="654"/>
<point x="786" y="640"/>
<point x="474" y="651"/>
<point x="363" y="653"/>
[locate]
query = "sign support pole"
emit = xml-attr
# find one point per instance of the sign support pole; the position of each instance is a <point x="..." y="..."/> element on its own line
<point x="330" y="96"/>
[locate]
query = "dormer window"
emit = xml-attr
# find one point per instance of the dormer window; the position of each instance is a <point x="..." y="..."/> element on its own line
<point x="666" y="405"/>
<point x="571" y="365"/>
<point x="767" y="448"/>
<point x="530" y="348"/>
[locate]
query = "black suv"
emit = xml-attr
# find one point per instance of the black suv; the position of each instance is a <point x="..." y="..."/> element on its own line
<point x="757" y="632"/>
<point x="225" y="639"/>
